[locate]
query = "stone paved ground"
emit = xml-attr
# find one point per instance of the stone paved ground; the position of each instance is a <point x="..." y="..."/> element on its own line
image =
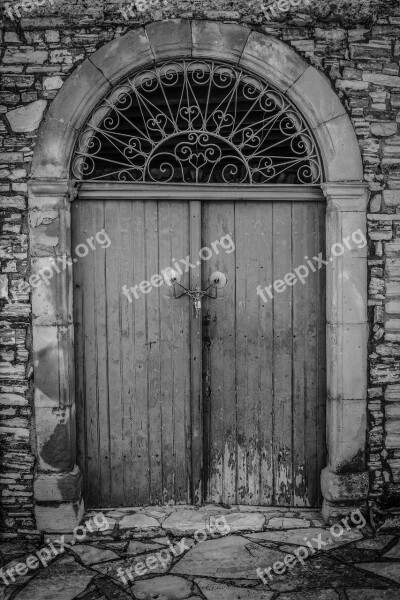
<point x="355" y="566"/>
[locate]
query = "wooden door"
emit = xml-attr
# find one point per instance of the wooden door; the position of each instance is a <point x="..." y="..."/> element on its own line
<point x="133" y="358"/>
<point x="264" y="362"/>
<point x="227" y="408"/>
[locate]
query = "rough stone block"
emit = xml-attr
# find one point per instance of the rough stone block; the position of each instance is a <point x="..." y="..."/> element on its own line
<point x="58" y="487"/>
<point x="376" y="203"/>
<point x="392" y="289"/>
<point x="391" y="197"/>
<point x="371" y="51"/>
<point x="393" y="307"/>
<point x="392" y="427"/>
<point x="393" y="269"/>
<point x="392" y="325"/>
<point x="392" y="411"/>
<point x="13" y="400"/>
<point x="11" y="157"/>
<point x="53" y="83"/>
<point x="28" y="55"/>
<point x="345" y="84"/>
<point x="392" y="248"/>
<point x="15" y="202"/>
<point x="3" y="286"/>
<point x="26" y="118"/>
<point x="379" y="79"/>
<point x="392" y="393"/>
<point x="391" y="150"/>
<point x="63" y="517"/>
<point x="392" y="441"/>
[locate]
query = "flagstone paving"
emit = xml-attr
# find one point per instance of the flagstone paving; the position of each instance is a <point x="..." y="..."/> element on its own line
<point x="209" y="553"/>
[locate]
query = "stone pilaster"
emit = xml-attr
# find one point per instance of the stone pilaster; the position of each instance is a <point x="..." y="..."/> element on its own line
<point x="344" y="481"/>
<point x="57" y="487"/>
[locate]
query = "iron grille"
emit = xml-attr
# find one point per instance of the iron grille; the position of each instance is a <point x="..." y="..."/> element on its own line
<point x="197" y="122"/>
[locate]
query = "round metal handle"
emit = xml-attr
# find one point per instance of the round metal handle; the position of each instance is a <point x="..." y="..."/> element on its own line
<point x="171" y="276"/>
<point x="218" y="280"/>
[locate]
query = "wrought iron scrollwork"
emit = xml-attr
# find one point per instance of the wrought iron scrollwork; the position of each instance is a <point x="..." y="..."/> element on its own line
<point x="197" y="122"/>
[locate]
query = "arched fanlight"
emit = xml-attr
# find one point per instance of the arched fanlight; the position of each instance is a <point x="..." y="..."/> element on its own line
<point x="197" y="122"/>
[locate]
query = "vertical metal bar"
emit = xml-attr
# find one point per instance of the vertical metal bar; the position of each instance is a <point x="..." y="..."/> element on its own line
<point x="196" y="357"/>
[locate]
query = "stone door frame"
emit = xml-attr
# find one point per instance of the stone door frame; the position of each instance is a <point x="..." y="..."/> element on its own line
<point x="58" y="480"/>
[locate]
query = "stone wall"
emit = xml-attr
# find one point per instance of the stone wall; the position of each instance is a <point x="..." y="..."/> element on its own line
<point x="356" y="44"/>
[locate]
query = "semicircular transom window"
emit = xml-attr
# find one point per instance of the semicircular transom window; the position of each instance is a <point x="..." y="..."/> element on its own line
<point x="197" y="122"/>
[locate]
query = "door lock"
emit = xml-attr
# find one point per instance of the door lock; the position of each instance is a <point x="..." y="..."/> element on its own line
<point x="217" y="281"/>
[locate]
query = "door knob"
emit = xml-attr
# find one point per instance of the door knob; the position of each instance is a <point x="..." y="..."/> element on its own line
<point x="218" y="280"/>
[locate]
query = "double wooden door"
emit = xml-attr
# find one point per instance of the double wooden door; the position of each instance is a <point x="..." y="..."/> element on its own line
<point x="228" y="407"/>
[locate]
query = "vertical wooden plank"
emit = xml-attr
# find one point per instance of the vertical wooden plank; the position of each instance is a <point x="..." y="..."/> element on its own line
<point x="308" y="328"/>
<point x="303" y="246"/>
<point x="127" y="344"/>
<point x="311" y="371"/>
<point x="79" y="336"/>
<point x="321" y="358"/>
<point x="112" y="287"/>
<point x="96" y="380"/>
<point x="282" y="363"/>
<point x="153" y="354"/>
<point x="175" y="364"/>
<point x="247" y="436"/>
<point x="182" y="363"/>
<point x="254" y="352"/>
<point x="141" y="463"/>
<point x="90" y="271"/>
<point x="85" y="347"/>
<point x="168" y="373"/>
<point x="266" y="353"/>
<point x="100" y="291"/>
<point x="196" y="356"/>
<point x="315" y="326"/>
<point x="220" y="359"/>
<point x="209" y="487"/>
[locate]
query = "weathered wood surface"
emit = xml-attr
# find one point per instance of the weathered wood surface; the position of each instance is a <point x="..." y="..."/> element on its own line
<point x="150" y="428"/>
<point x="264" y="362"/>
<point x="133" y="367"/>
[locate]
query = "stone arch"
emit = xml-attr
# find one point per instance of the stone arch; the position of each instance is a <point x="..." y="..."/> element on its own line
<point x="58" y="499"/>
<point x="266" y="56"/>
